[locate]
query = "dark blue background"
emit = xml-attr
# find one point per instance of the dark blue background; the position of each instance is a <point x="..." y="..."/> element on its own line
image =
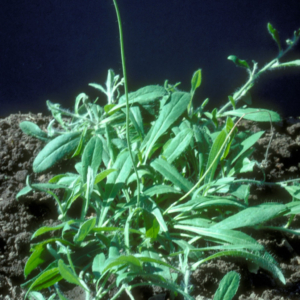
<point x="53" y="49"/>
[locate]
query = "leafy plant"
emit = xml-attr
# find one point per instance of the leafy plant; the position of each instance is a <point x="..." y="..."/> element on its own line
<point x="158" y="188"/>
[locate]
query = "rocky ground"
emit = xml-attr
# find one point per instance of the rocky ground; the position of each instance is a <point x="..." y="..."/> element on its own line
<point x="19" y="219"/>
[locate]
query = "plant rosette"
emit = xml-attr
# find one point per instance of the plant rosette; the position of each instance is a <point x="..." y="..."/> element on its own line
<point x="158" y="184"/>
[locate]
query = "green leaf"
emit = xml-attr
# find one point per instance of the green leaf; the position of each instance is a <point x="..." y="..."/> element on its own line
<point x="262" y="259"/>
<point x="243" y="164"/>
<point x="294" y="208"/>
<point x="200" y="203"/>
<point x="33" y="130"/>
<point x="155" y="211"/>
<point x="136" y="119"/>
<point x="228" y="286"/>
<point x="115" y="182"/>
<point x="253" y="216"/>
<point x="57" y="149"/>
<point x="67" y="274"/>
<point x="168" y="115"/>
<point x="157" y="261"/>
<point x="214" y="117"/>
<point x="81" y="97"/>
<point x="38" y="257"/>
<point x="247" y="143"/>
<point x="230" y="98"/>
<point x="238" y="62"/>
<point x="84" y="230"/>
<point x="129" y="260"/>
<point x="24" y="191"/>
<point x="114" y="247"/>
<point x="155" y="268"/>
<point x="196" y="81"/>
<point x="98" y="265"/>
<point x="81" y="142"/>
<point x="170" y="173"/>
<point x="110" y="146"/>
<point x="108" y="107"/>
<point x="45" y="229"/>
<point x="254" y="114"/>
<point x="53" y="240"/>
<point x="219" y="235"/>
<point x="46" y="279"/>
<point x="197" y="222"/>
<point x="161" y="189"/>
<point x="178" y="144"/>
<point x="151" y="225"/>
<point x="129" y="276"/>
<point x="103" y="175"/>
<point x="142" y="96"/>
<point x="229" y="126"/>
<point x="293" y="190"/>
<point x="214" y="157"/>
<point x="203" y="145"/>
<point x="274" y="34"/>
<point x="92" y="156"/>
<point x="241" y="191"/>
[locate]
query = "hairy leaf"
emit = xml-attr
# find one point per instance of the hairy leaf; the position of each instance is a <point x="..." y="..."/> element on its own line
<point x="168" y="115"/>
<point x="56" y="150"/>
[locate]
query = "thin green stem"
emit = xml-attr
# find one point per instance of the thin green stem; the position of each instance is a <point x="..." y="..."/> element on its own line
<point x="253" y="75"/>
<point x="127" y="101"/>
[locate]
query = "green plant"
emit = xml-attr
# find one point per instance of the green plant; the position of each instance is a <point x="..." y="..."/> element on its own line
<point x="157" y="182"/>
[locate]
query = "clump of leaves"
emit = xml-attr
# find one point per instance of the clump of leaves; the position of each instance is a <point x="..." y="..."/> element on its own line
<point x="158" y="184"/>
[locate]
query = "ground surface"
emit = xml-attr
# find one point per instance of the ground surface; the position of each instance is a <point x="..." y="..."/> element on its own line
<point x="19" y="219"/>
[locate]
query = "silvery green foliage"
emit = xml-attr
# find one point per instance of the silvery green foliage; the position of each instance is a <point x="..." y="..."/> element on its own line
<point x="157" y="181"/>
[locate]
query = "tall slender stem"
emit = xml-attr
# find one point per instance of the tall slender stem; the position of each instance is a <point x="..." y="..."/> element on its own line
<point x="126" y="96"/>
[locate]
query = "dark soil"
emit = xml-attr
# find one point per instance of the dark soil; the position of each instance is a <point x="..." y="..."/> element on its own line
<point x="19" y="219"/>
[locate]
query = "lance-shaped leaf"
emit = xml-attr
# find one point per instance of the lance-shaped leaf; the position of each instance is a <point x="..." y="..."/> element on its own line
<point x="170" y="173"/>
<point x="98" y="264"/>
<point x="168" y="115"/>
<point x="254" y="114"/>
<point x="274" y="34"/>
<point x="115" y="182"/>
<point x="84" y="230"/>
<point x="238" y="62"/>
<point x="228" y="286"/>
<point x="203" y="144"/>
<point x="33" y="130"/>
<point x="56" y="150"/>
<point x="67" y="273"/>
<point x="252" y="216"/>
<point x="142" y="96"/>
<point x="247" y="144"/>
<point x="136" y="119"/>
<point x="220" y="235"/>
<point x="92" y="156"/>
<point x="196" y="81"/>
<point x="215" y="154"/>
<point x="46" y="279"/>
<point x="155" y="268"/>
<point x="38" y="257"/>
<point x="262" y="259"/>
<point x="151" y="225"/>
<point x="293" y="190"/>
<point x="178" y="144"/>
<point x="128" y="260"/>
